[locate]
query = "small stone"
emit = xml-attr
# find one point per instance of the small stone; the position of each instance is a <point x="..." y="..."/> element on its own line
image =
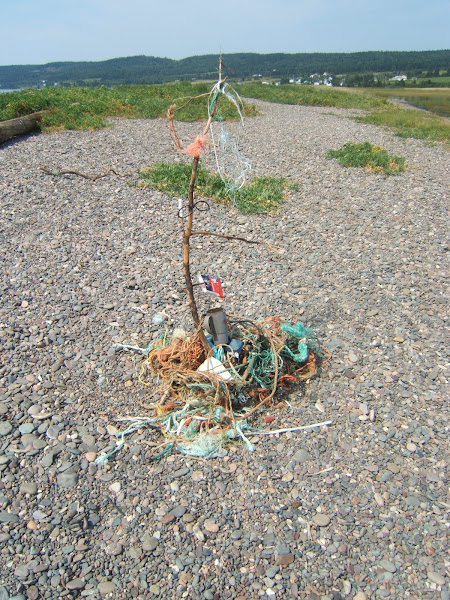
<point x="168" y="518"/>
<point x="321" y="520"/>
<point x="114" y="549"/>
<point x="301" y="456"/>
<point x="436" y="578"/>
<point x="360" y="596"/>
<point x="285" y="559"/>
<point x="5" y="427"/>
<point x="32" y="593"/>
<point x="32" y="525"/>
<point x="28" y="487"/>
<point x="26" y="428"/>
<point x="76" y="584"/>
<point x="91" y="456"/>
<point x="149" y="543"/>
<point x="106" y="587"/>
<point x="378" y="499"/>
<point x="3" y="593"/>
<point x="115" y="487"/>
<point x="197" y="475"/>
<point x="211" y="527"/>
<point x="155" y="589"/>
<point x="67" y="479"/>
<point x="352" y="357"/>
<point x="388" y="565"/>
<point x="6" y="517"/>
<point x="47" y="460"/>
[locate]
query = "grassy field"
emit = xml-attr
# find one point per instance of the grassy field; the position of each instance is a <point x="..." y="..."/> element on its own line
<point x="89" y="107"/>
<point x="436" y="100"/>
<point x="404" y="122"/>
<point x="311" y="95"/>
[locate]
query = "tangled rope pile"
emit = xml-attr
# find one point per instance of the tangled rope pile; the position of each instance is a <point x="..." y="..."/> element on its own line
<point x="200" y="410"/>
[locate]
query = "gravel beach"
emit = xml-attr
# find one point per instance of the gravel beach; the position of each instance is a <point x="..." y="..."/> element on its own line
<point x="355" y="510"/>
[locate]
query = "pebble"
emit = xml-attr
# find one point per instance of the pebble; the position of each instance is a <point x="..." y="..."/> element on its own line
<point x="76" y="584"/>
<point x="317" y="513"/>
<point x="67" y="479"/>
<point x="5" y="428"/>
<point x="436" y="578"/>
<point x="106" y="588"/>
<point x="321" y="520"/>
<point x="29" y="487"/>
<point x="388" y="565"/>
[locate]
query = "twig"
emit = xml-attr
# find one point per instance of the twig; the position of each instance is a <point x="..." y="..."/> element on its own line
<point x="234" y="237"/>
<point x="292" y="428"/>
<point x="59" y="172"/>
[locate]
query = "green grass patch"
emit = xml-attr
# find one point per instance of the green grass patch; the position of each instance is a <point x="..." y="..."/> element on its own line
<point x="413" y="123"/>
<point x="89" y="107"/>
<point x="372" y="158"/>
<point x="312" y="95"/>
<point x="261" y="195"/>
<point x="434" y="100"/>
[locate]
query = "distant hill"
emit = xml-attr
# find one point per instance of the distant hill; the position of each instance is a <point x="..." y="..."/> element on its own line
<point x="150" y="69"/>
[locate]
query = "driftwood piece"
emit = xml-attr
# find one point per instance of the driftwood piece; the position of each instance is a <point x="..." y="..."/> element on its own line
<point x="20" y="126"/>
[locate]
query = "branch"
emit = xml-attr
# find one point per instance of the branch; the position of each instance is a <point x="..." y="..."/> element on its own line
<point x="59" y="172"/>
<point x="241" y="239"/>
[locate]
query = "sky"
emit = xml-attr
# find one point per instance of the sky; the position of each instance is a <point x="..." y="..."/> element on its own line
<point x="42" y="31"/>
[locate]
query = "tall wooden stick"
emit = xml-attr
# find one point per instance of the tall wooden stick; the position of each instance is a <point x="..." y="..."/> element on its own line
<point x="188" y="228"/>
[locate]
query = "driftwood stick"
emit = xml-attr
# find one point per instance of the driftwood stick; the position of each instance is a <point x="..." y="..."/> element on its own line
<point x="234" y="237"/>
<point x="188" y="229"/>
<point x="59" y="172"/>
<point x="20" y="125"/>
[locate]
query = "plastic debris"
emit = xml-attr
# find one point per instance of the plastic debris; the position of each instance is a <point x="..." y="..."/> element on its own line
<point x="207" y="400"/>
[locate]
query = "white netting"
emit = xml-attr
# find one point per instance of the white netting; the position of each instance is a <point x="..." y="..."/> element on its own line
<point x="232" y="166"/>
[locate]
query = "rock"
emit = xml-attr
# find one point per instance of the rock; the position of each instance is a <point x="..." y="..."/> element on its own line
<point x="300" y="456"/>
<point x="388" y="565"/>
<point x="321" y="520"/>
<point x="28" y="487"/>
<point x="6" y="517"/>
<point x="67" y="479"/>
<point x="115" y="487"/>
<point x="5" y="427"/>
<point x="32" y="593"/>
<point x="149" y="543"/>
<point x="168" y="518"/>
<point x="3" y="593"/>
<point x="436" y="578"/>
<point x="360" y="596"/>
<point x="285" y="559"/>
<point x="76" y="584"/>
<point x="211" y="527"/>
<point x="114" y="549"/>
<point x="105" y="588"/>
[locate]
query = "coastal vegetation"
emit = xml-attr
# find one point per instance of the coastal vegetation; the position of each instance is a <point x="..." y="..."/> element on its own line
<point x="90" y="107"/>
<point x="372" y="158"/>
<point x="260" y="195"/>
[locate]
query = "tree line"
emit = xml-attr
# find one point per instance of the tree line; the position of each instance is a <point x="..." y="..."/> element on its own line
<point x="150" y="70"/>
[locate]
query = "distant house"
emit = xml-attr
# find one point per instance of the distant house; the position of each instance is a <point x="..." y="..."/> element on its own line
<point x="399" y="78"/>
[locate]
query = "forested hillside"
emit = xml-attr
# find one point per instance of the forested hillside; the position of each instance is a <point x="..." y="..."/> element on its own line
<point x="148" y="69"/>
